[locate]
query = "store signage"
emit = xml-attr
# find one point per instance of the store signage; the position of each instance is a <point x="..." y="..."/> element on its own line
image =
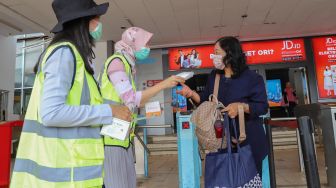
<point x="324" y="50"/>
<point x="274" y="51"/>
<point x="260" y="52"/>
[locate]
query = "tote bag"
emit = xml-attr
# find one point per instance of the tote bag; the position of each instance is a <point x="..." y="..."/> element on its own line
<point x="231" y="167"/>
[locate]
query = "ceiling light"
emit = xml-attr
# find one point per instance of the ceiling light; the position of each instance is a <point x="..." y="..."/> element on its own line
<point x="269" y="23"/>
<point x="219" y="26"/>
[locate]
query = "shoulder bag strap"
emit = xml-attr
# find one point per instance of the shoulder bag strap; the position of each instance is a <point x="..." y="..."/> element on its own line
<point x="216" y="86"/>
<point x="241" y="118"/>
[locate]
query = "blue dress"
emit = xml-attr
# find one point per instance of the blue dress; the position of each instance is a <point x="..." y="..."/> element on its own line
<point x="248" y="88"/>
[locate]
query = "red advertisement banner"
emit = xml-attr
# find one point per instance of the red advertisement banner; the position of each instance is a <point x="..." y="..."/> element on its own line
<point x="190" y="57"/>
<point x="324" y="49"/>
<point x="273" y="51"/>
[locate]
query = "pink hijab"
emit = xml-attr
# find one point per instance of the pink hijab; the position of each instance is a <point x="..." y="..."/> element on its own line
<point x="132" y="40"/>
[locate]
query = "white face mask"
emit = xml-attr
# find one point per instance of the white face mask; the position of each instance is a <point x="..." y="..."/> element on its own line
<point x="218" y="61"/>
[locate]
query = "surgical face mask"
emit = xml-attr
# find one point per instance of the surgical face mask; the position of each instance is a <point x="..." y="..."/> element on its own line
<point x="218" y="61"/>
<point x="142" y="54"/>
<point x="97" y="33"/>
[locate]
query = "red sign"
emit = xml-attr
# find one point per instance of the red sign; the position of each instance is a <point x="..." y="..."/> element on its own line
<point x="151" y="83"/>
<point x="190" y="57"/>
<point x="274" y="51"/>
<point x="325" y="63"/>
<point x="185" y="125"/>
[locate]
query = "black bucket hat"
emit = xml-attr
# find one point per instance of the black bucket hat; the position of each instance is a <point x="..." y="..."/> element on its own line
<point x="68" y="10"/>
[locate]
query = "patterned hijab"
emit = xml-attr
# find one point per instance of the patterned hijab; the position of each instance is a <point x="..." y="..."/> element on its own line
<point x="132" y="40"/>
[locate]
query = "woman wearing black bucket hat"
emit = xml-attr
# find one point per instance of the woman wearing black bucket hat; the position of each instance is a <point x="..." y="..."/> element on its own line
<point x="60" y="144"/>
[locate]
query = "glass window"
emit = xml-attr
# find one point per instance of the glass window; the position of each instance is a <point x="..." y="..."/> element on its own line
<point x="28" y="51"/>
<point x="26" y="97"/>
<point x="33" y="50"/>
<point x="19" y="64"/>
<point x="17" y="101"/>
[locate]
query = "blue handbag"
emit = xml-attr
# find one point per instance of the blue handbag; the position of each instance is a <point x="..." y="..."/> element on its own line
<point x="231" y="167"/>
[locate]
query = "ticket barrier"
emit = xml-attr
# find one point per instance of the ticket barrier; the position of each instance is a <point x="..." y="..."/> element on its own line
<point x="189" y="160"/>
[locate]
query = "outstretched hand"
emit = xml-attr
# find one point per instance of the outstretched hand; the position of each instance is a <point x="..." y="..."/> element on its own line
<point x="172" y="82"/>
<point x="185" y="91"/>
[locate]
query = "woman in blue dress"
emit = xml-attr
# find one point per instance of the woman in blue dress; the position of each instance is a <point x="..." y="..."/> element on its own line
<point x="238" y="85"/>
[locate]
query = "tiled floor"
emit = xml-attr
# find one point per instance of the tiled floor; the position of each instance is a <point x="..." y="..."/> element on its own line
<point x="163" y="171"/>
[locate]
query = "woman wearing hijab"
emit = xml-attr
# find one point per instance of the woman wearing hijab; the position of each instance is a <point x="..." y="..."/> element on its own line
<point x="60" y="144"/>
<point x="118" y="87"/>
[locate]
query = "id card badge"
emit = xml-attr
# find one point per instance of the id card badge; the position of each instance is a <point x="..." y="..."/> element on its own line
<point x="119" y="129"/>
<point x="153" y="109"/>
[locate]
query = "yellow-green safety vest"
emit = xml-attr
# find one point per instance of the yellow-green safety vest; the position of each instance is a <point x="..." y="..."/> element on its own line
<point x="111" y="96"/>
<point x="60" y="157"/>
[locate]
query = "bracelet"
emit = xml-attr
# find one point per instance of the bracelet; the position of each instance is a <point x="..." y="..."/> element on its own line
<point x="192" y="93"/>
<point x="189" y="95"/>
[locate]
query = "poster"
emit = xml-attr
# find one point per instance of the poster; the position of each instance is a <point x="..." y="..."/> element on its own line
<point x="274" y="51"/>
<point x="259" y="52"/>
<point x="274" y="93"/>
<point x="179" y="103"/>
<point x="324" y="49"/>
<point x="190" y="57"/>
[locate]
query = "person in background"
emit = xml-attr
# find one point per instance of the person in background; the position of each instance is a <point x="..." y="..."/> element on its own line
<point x="195" y="60"/>
<point x="118" y="86"/>
<point x="60" y="144"/>
<point x="187" y="62"/>
<point x="238" y="86"/>
<point x="290" y="98"/>
<point x="181" y="58"/>
<point x="334" y="80"/>
<point x="328" y="84"/>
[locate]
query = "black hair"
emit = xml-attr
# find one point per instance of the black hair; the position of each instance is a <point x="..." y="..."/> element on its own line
<point x="195" y="55"/>
<point x="77" y="32"/>
<point x="234" y="55"/>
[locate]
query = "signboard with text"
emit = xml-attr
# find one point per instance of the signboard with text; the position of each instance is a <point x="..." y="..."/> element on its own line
<point x="259" y="52"/>
<point x="274" y="51"/>
<point x="324" y="49"/>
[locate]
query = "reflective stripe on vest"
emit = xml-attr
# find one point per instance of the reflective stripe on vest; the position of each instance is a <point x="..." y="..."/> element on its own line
<point x="57" y="174"/>
<point x="60" y="156"/>
<point x="31" y="126"/>
<point x="111" y="96"/>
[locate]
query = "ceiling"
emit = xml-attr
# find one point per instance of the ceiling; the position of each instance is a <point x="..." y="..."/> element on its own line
<point x="186" y="22"/>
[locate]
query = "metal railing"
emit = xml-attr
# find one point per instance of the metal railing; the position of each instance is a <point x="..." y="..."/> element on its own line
<point x="307" y="149"/>
<point x="143" y="141"/>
